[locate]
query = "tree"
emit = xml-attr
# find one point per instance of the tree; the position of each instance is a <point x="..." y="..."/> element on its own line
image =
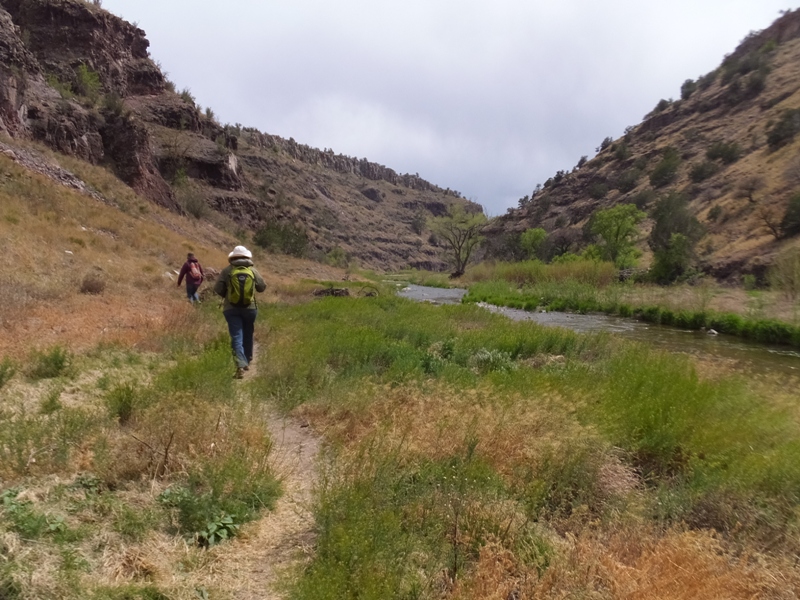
<point x="790" y="224"/>
<point x="616" y="228"/>
<point x="672" y="239"/>
<point x="461" y="232"/>
<point x="531" y="240"/>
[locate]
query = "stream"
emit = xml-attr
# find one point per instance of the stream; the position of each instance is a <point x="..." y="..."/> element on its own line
<point x="752" y="357"/>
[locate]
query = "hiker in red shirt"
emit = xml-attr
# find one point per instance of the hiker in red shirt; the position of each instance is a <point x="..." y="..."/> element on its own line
<point x="193" y="272"/>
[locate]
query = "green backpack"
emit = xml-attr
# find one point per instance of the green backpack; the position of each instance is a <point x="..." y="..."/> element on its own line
<point x="241" y="286"/>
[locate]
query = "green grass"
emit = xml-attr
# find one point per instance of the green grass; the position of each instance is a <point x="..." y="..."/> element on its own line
<point x="703" y="452"/>
<point x="574" y="296"/>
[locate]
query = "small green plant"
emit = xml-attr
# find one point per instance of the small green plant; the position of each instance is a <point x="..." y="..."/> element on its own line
<point x="52" y="401"/>
<point x="186" y="96"/>
<point x="220" y="529"/>
<point x="715" y="212"/>
<point x="48" y="365"/>
<point x="87" y="83"/>
<point x="120" y="402"/>
<point x="7" y="371"/>
<point x="488" y="361"/>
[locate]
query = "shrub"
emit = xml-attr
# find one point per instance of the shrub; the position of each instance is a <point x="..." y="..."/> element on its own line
<point x="186" y="96"/>
<point x="120" y="402"/>
<point x="93" y="284"/>
<point x="628" y="180"/>
<point x="194" y="204"/>
<point x="598" y="190"/>
<point x="714" y="212"/>
<point x="702" y="171"/>
<point x="785" y="273"/>
<point x="47" y="365"/>
<point x="785" y="129"/>
<point x="662" y="106"/>
<point x="790" y="224"/>
<point x="284" y="238"/>
<point x="687" y="89"/>
<point x="666" y="170"/>
<point x="727" y="152"/>
<point x="87" y="83"/>
<point x="7" y="370"/>
<point x="644" y="198"/>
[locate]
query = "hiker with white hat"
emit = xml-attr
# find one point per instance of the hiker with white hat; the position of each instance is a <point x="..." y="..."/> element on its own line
<point x="237" y="284"/>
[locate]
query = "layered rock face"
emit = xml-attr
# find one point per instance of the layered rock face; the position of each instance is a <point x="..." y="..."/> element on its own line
<point x="81" y="80"/>
<point x="738" y="183"/>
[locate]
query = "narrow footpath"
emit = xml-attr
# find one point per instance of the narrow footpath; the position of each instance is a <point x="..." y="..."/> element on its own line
<point x="253" y="565"/>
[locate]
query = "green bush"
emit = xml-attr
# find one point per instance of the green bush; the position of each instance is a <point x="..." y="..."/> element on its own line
<point x="702" y="171"/>
<point x="790" y="224"/>
<point x="667" y="169"/>
<point x="87" y="83"/>
<point x="283" y="238"/>
<point x="784" y="131"/>
<point x="47" y="365"/>
<point x="120" y="402"/>
<point x="688" y="88"/>
<point x="598" y="190"/>
<point x="7" y="371"/>
<point x="628" y="180"/>
<point x="727" y="152"/>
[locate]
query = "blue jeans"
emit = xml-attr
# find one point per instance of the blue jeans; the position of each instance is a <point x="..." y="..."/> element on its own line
<point x="191" y="292"/>
<point x="241" y="322"/>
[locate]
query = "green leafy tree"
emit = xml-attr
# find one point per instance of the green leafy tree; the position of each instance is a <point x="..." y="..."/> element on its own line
<point x="461" y="233"/>
<point x="617" y="228"/>
<point x="531" y="241"/>
<point x="673" y="237"/>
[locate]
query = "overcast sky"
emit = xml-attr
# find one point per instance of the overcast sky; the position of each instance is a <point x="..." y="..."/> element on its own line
<point x="489" y="97"/>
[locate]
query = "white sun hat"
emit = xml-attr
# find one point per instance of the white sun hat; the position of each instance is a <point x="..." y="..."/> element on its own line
<point x="240" y="252"/>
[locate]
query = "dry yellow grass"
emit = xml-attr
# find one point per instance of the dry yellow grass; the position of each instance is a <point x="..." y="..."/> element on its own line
<point x="52" y="238"/>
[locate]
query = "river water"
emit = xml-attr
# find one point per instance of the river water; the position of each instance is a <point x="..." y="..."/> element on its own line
<point x="750" y="356"/>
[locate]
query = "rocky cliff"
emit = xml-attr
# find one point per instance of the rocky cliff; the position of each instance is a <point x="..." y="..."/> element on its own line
<point x="81" y="81"/>
<point x="728" y="144"/>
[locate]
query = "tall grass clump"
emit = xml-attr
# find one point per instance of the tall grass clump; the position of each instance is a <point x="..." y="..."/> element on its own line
<point x="7" y="371"/>
<point x="393" y="526"/>
<point x="532" y="272"/>
<point x="49" y="364"/>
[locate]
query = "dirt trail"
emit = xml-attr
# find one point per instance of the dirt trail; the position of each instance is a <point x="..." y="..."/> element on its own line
<point x="251" y="567"/>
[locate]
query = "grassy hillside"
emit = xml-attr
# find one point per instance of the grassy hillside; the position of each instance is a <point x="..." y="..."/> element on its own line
<point x="727" y="144"/>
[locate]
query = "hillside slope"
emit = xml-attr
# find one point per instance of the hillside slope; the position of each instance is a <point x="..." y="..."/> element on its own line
<point x="731" y="139"/>
<point x="81" y="80"/>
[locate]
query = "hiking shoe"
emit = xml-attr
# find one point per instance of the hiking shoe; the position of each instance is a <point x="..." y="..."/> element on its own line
<point x="239" y="373"/>
<point x="247" y="368"/>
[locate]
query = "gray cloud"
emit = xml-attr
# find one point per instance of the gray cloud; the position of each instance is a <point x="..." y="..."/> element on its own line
<point x="485" y="96"/>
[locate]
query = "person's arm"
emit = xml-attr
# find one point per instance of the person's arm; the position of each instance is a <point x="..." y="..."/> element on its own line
<point x="221" y="284"/>
<point x="260" y="284"/>
<point x="184" y="270"/>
